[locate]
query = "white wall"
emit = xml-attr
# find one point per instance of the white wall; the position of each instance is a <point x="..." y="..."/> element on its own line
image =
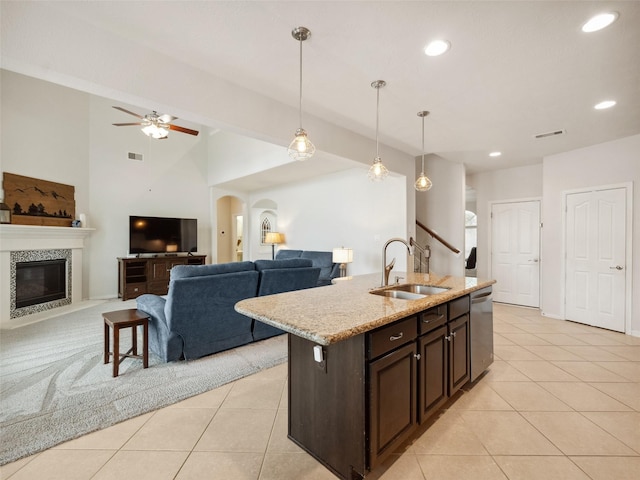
<point x="62" y="135"/>
<point x="500" y="185"/>
<point x="45" y="134"/>
<point x="442" y="210"/>
<point x="342" y="209"/>
<point x="604" y="164"/>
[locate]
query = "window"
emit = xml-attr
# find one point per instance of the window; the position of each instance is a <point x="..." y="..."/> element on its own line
<point x="265" y="227"/>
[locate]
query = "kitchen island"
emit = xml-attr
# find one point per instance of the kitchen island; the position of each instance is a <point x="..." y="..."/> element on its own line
<point x="365" y="370"/>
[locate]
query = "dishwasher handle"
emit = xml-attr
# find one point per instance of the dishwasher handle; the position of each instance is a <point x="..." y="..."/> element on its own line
<point x="481" y="298"/>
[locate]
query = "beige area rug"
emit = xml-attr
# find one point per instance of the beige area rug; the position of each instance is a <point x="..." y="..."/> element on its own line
<point x="55" y="387"/>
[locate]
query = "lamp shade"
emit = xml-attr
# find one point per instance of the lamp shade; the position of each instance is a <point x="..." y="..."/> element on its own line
<point x="342" y="255"/>
<point x="274" y="238"/>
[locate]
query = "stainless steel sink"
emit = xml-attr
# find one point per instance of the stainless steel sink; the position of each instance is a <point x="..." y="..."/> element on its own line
<point x="421" y="289"/>
<point x="410" y="291"/>
<point x="399" y="294"/>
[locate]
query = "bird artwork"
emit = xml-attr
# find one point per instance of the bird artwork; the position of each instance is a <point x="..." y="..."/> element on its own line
<point x="38" y="202"/>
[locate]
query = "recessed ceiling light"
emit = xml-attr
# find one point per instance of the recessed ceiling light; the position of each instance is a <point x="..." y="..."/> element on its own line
<point x="599" y="22"/>
<point x="495" y="154"/>
<point x="605" y="104"/>
<point x="437" y="47"/>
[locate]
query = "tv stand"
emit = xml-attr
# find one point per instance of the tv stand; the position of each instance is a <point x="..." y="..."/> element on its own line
<point x="140" y="275"/>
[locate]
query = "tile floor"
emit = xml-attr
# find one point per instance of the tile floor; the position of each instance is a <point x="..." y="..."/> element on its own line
<point x="561" y="401"/>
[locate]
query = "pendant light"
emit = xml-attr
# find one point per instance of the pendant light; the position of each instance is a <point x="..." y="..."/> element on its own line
<point x="301" y="148"/>
<point x="378" y="171"/>
<point x="423" y="183"/>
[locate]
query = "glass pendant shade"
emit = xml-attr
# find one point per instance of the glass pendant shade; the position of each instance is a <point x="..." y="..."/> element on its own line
<point x="423" y="183"/>
<point x="301" y="147"/>
<point x="377" y="171"/>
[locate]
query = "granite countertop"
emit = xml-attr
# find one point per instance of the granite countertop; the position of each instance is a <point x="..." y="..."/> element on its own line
<point x="332" y="313"/>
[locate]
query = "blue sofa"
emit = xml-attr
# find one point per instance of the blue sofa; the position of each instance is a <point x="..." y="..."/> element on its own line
<point x="324" y="260"/>
<point x="197" y="316"/>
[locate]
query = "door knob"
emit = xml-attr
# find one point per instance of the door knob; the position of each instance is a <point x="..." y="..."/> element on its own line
<point x="617" y="267"/>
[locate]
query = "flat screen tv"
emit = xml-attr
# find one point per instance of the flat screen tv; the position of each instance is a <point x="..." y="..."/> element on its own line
<point x="162" y="235"/>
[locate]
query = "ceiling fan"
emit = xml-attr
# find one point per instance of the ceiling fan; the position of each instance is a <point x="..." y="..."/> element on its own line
<point x="155" y="125"/>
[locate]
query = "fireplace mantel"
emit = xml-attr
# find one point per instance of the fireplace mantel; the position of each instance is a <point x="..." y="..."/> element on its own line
<point x="15" y="238"/>
<point x="31" y="237"/>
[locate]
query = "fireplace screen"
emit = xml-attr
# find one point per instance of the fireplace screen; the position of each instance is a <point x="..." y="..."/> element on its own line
<point x="40" y="282"/>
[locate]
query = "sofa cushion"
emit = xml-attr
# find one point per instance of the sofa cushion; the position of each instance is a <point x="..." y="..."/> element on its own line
<point x="185" y="271"/>
<point x="284" y="254"/>
<point x="288" y="263"/>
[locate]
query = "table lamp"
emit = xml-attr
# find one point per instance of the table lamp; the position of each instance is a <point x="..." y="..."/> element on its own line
<point x="343" y="256"/>
<point x="274" y="238"/>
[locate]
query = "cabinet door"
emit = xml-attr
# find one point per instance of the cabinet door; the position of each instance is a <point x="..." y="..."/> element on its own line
<point x="433" y="371"/>
<point x="459" y="373"/>
<point x="393" y="381"/>
<point x="160" y="270"/>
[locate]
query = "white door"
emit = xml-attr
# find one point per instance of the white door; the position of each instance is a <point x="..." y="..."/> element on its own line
<point x="595" y="258"/>
<point x="515" y="252"/>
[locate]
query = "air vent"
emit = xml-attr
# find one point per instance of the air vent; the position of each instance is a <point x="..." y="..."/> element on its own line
<point x="135" y="156"/>
<point x="550" y="134"/>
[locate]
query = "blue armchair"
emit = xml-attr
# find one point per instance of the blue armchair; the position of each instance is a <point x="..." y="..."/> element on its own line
<point x="324" y="260"/>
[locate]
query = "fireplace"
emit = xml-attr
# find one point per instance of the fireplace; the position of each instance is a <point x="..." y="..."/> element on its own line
<point x="34" y="243"/>
<point x="41" y="281"/>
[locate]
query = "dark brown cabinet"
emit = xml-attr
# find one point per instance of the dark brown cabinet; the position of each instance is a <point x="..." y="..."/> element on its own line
<point x="434" y="372"/>
<point x="370" y="392"/>
<point x="458" y="353"/>
<point x="137" y="276"/>
<point x="393" y="383"/>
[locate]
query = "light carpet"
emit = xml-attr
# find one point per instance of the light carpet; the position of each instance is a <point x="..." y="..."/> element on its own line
<point x="55" y="387"/>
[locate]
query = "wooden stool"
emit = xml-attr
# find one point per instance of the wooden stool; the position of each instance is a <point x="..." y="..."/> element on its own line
<point x="124" y="319"/>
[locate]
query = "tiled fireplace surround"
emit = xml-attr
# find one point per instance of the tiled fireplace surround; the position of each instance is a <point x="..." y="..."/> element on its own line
<point x="34" y="242"/>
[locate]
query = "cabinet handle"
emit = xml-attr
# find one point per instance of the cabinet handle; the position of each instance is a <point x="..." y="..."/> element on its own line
<point x="393" y="338"/>
<point x="453" y="334"/>
<point x="417" y="355"/>
<point x="448" y="338"/>
<point x="433" y="317"/>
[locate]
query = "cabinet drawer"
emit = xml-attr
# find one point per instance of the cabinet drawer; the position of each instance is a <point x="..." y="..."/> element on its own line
<point x="392" y="336"/>
<point x="433" y="318"/>
<point x="133" y="290"/>
<point x="458" y="307"/>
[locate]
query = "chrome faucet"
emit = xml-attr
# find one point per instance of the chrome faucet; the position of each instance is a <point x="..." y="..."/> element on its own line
<point x="386" y="269"/>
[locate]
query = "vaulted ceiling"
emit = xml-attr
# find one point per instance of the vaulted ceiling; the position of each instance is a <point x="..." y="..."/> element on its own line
<point x="515" y="68"/>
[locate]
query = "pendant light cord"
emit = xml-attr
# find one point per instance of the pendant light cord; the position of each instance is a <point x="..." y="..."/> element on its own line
<point x="300" y="83"/>
<point x="422" y="171"/>
<point x="377" y="115"/>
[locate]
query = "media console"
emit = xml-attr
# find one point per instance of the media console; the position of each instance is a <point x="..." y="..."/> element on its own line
<point x="137" y="276"/>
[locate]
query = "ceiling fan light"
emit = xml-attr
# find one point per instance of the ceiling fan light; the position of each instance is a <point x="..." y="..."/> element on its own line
<point x="155" y="131"/>
<point x="377" y="171"/>
<point x="423" y="183"/>
<point x="301" y="147"/>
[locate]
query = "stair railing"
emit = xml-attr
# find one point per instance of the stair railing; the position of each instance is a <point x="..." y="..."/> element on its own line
<point x="437" y="237"/>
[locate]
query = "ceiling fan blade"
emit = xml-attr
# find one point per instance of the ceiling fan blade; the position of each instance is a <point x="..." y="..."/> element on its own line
<point x="126" y="124"/>
<point x="166" y="118"/>
<point x="183" y="130"/>
<point x="130" y="113"/>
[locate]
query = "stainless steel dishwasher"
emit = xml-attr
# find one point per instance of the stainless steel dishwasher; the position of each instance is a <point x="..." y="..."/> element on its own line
<point x="481" y="331"/>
